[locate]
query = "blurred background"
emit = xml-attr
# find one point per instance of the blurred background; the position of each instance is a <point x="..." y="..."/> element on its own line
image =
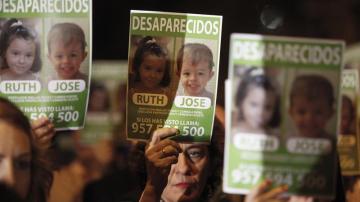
<point x="330" y="19"/>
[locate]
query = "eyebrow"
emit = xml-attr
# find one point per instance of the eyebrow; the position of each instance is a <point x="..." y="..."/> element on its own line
<point x="197" y="146"/>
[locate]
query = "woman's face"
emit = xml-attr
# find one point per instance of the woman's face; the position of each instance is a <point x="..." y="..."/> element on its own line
<point x="188" y="176"/>
<point x="15" y="158"/>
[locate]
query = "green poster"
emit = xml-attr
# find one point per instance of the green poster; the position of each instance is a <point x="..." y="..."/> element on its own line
<point x="348" y="141"/>
<point x="107" y="97"/>
<point x="45" y="49"/>
<point x="281" y="109"/>
<point x="173" y="71"/>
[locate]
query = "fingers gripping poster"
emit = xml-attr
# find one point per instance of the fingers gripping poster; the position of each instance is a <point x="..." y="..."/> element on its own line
<point x="45" y="51"/>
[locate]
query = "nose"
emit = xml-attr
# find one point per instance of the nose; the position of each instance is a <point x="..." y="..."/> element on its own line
<point x="193" y="77"/>
<point x="65" y="59"/>
<point x="7" y="173"/>
<point x="183" y="166"/>
<point x="260" y="111"/>
<point x="309" y="118"/>
<point x="22" y="59"/>
<point x="153" y="74"/>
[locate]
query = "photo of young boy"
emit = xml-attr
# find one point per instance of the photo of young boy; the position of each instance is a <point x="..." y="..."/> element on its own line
<point x="311" y="105"/>
<point x="195" y="69"/>
<point x="66" y="51"/>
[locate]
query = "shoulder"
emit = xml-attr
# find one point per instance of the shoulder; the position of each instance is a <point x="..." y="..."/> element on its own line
<point x="33" y="76"/>
<point x="52" y="77"/>
<point x="4" y="74"/>
<point x="207" y="94"/>
<point x="134" y="90"/>
<point x="180" y="93"/>
<point x="273" y="131"/>
<point x="81" y="75"/>
<point x="237" y="129"/>
<point x="167" y="91"/>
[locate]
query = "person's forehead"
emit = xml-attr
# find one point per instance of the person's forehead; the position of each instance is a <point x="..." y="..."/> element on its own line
<point x="154" y="59"/>
<point x="308" y="104"/>
<point x="65" y="43"/>
<point x="310" y="99"/>
<point x="195" y="65"/>
<point x="21" y="41"/>
<point x="13" y="140"/>
<point x="193" y="145"/>
<point x="255" y="89"/>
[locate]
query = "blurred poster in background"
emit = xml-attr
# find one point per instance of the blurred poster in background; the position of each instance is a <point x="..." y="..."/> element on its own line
<point x="107" y="97"/>
<point x="282" y="113"/>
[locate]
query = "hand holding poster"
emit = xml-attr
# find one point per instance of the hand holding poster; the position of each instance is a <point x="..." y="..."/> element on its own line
<point x="173" y="70"/>
<point x="46" y="49"/>
<point x="282" y="119"/>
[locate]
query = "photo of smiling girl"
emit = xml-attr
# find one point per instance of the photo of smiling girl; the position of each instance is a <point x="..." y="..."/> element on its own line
<point x="19" y="52"/>
<point x="151" y="67"/>
<point x="258" y="104"/>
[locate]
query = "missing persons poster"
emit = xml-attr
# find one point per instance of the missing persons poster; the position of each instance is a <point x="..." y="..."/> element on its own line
<point x="173" y="71"/>
<point x="281" y="114"/>
<point x="45" y="49"/>
<point x="107" y="102"/>
<point x="348" y="140"/>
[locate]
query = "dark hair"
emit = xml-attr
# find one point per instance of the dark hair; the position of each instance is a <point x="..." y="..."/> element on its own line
<point x="312" y="87"/>
<point x="67" y="33"/>
<point x="349" y="182"/>
<point x="8" y="194"/>
<point x="41" y="175"/>
<point x="215" y="151"/>
<point x="251" y="78"/>
<point x="346" y="100"/>
<point x="148" y="46"/>
<point x="13" y="31"/>
<point x="198" y="52"/>
<point x="10" y="114"/>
